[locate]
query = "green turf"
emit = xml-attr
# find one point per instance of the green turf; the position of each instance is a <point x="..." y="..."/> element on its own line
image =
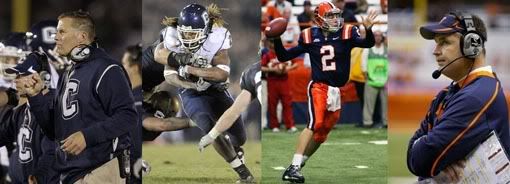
<point x="398" y="154"/>
<point x="334" y="163"/>
<point x="183" y="163"/>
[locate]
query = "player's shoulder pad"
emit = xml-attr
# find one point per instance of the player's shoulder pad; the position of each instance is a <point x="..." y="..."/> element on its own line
<point x="220" y="35"/>
<point x="306" y="36"/>
<point x="349" y="31"/>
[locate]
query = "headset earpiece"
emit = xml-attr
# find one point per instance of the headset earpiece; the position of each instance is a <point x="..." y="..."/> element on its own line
<point x="80" y="52"/>
<point x="471" y="43"/>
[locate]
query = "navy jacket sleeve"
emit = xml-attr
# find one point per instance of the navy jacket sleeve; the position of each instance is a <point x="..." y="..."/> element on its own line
<point x="7" y="128"/>
<point x="42" y="107"/>
<point x="286" y="55"/>
<point x="458" y="131"/>
<point x="116" y="96"/>
<point x="367" y="42"/>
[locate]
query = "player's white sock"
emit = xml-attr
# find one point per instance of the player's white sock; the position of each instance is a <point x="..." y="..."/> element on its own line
<point x="297" y="159"/>
<point x="305" y="158"/>
<point x="236" y="163"/>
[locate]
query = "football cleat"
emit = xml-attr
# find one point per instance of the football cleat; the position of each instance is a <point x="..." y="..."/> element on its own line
<point x="293" y="175"/>
<point x="249" y="179"/>
<point x="244" y="173"/>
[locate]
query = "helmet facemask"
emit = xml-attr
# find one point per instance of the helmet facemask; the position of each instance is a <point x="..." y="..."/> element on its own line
<point x="190" y="38"/>
<point x="9" y="57"/>
<point x="332" y="20"/>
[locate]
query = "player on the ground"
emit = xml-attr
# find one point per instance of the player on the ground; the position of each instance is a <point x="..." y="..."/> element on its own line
<point x="250" y="90"/>
<point x="198" y="63"/>
<point x="329" y="46"/>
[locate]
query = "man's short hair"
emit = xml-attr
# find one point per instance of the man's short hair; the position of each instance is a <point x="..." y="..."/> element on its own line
<point x="82" y="21"/>
<point x="480" y="26"/>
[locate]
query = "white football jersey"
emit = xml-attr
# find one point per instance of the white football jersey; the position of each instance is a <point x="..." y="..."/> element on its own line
<point x="219" y="38"/>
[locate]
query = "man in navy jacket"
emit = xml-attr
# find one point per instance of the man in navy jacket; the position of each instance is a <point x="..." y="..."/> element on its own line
<point x="92" y="110"/>
<point x="463" y="114"/>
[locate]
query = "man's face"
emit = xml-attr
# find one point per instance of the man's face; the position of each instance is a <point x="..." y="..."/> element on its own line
<point x="67" y="36"/>
<point x="378" y="37"/>
<point x="448" y="49"/>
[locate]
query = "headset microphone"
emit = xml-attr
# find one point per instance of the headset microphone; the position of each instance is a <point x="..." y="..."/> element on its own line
<point x="437" y="73"/>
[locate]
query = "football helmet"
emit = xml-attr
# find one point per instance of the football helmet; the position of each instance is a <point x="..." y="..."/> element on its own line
<point x="12" y="52"/>
<point x="42" y="35"/>
<point x="193" y="26"/>
<point x="328" y="17"/>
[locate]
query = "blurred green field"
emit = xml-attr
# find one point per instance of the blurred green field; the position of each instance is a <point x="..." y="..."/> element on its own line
<point x="183" y="163"/>
<point x="397" y="151"/>
<point x="335" y="161"/>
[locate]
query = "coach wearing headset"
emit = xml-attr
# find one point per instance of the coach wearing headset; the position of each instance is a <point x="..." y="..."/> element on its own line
<point x="93" y="108"/>
<point x="463" y="114"/>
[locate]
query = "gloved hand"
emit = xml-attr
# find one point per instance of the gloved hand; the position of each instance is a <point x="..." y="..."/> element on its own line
<point x="183" y="71"/>
<point x="141" y="168"/>
<point x="205" y="141"/>
<point x="202" y="85"/>
<point x="208" y="139"/>
<point x="182" y="58"/>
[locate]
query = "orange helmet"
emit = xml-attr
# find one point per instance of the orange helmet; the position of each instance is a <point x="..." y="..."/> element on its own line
<point x="328" y="17"/>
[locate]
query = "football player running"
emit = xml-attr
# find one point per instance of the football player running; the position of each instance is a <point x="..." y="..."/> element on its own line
<point x="329" y="46"/>
<point x="198" y="64"/>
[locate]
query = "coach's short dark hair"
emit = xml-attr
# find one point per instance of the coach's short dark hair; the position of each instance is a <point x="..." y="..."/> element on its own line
<point x="480" y="26"/>
<point x="82" y="21"/>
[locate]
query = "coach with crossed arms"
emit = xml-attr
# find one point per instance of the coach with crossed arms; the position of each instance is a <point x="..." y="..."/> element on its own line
<point x="463" y="114"/>
<point x="93" y="108"/>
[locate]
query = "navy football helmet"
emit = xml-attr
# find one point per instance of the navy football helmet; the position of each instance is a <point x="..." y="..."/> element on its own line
<point x="12" y="52"/>
<point x="193" y="26"/>
<point x="42" y="35"/>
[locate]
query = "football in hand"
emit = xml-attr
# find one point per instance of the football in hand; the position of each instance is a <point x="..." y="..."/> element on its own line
<point x="276" y="27"/>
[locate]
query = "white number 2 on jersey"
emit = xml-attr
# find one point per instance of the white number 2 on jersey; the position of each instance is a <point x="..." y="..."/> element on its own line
<point x="70" y="108"/>
<point x="327" y="55"/>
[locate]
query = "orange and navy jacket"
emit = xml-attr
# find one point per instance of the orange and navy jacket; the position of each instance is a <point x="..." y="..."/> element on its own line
<point x="460" y="117"/>
<point x="330" y="56"/>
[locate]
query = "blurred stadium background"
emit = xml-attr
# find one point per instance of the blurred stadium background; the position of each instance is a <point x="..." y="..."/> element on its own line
<point x="118" y="23"/>
<point x="181" y="147"/>
<point x="411" y="87"/>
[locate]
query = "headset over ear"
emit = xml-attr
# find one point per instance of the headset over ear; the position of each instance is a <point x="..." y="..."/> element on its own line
<point x="80" y="52"/>
<point x="471" y="42"/>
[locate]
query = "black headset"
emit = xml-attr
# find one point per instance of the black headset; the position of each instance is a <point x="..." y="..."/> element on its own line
<point x="80" y="52"/>
<point x="471" y="41"/>
<point x="83" y="51"/>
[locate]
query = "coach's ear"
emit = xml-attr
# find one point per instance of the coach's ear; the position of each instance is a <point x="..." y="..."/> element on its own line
<point x="82" y="37"/>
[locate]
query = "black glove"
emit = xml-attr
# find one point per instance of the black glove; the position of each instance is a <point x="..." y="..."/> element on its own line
<point x="179" y="59"/>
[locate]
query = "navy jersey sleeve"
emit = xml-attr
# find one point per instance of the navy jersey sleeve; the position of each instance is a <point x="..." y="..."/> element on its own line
<point x="358" y="41"/>
<point x="115" y="94"/>
<point x="152" y="72"/>
<point x="458" y="131"/>
<point x="251" y="79"/>
<point x="286" y="55"/>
